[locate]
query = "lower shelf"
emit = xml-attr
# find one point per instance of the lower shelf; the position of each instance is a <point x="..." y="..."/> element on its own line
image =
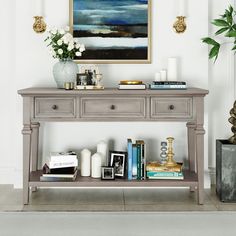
<point x="190" y="179"/>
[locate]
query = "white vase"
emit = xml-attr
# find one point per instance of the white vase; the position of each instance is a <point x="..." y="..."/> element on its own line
<point x="65" y="71"/>
<point x="97" y="165"/>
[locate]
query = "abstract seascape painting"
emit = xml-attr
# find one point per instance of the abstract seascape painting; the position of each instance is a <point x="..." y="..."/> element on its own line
<point x="113" y="31"/>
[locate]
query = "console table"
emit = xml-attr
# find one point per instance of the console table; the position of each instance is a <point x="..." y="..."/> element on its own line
<point x="51" y="104"/>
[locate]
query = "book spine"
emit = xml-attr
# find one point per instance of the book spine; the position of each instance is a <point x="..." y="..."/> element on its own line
<point x="134" y="161"/>
<point x="130" y="159"/>
<point x="164" y="174"/>
<point x="144" y="161"/>
<point x="167" y="177"/>
<point x="55" y="165"/>
<point x="154" y="86"/>
<point x="139" y="161"/>
<point x="169" y="83"/>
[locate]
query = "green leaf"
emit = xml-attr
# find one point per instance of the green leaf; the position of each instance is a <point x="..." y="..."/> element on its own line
<point x="210" y="41"/>
<point x="214" y="52"/>
<point x="219" y="22"/>
<point x="231" y="9"/>
<point x="234" y="48"/>
<point x="230" y="34"/>
<point x="222" y="30"/>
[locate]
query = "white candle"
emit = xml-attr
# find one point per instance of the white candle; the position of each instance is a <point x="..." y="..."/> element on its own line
<point x="172" y="69"/>
<point x="38" y="7"/>
<point x="157" y="76"/>
<point x="85" y="162"/>
<point x="163" y="75"/>
<point x="102" y="149"/>
<point x="97" y="165"/>
<point x="182" y="8"/>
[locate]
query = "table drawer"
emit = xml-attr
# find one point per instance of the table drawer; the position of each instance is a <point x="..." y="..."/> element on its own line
<point x="171" y="108"/>
<point x="54" y="107"/>
<point x="112" y="107"/>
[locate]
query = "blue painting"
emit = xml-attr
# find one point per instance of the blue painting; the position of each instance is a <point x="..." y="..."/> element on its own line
<point x="112" y="30"/>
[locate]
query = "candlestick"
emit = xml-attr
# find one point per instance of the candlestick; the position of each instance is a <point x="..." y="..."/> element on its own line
<point x="102" y="149"/>
<point x="85" y="162"/>
<point x="97" y="165"/>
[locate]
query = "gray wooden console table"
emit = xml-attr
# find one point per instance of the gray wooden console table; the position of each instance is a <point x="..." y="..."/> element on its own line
<point x="50" y="104"/>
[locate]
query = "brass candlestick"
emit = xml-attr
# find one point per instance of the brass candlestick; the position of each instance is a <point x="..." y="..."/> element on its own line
<point x="170" y="155"/>
<point x="39" y="25"/>
<point x="180" y="25"/>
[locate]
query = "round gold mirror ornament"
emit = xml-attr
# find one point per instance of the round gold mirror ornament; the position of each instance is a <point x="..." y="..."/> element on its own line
<point x="39" y="25"/>
<point x="180" y="25"/>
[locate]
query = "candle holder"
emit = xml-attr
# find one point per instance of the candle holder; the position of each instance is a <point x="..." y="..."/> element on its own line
<point x="170" y="155"/>
<point x="39" y="25"/>
<point x="180" y="25"/>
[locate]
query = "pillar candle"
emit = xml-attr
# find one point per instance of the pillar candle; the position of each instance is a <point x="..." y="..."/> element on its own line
<point x="102" y="149"/>
<point x="182" y="8"/>
<point x="163" y="75"/>
<point x="85" y="162"/>
<point x="157" y="76"/>
<point x="172" y="69"/>
<point x="97" y="165"/>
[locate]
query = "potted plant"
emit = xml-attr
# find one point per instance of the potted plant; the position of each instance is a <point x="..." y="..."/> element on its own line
<point x="225" y="149"/>
<point x="64" y="47"/>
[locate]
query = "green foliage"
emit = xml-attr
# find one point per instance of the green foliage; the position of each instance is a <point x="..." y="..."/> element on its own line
<point x="227" y="26"/>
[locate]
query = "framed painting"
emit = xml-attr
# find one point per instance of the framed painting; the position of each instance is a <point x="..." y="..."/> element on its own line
<point x="113" y="31"/>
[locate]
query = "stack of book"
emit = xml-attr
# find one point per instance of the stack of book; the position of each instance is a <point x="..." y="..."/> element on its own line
<point x="157" y="171"/>
<point x="61" y="166"/>
<point x="136" y="160"/>
<point x="168" y="85"/>
<point x="132" y="84"/>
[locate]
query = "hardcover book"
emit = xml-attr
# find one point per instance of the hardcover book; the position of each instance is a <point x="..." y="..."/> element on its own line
<point x="134" y="161"/>
<point x="130" y="159"/>
<point x="157" y="167"/>
<point x="132" y="86"/>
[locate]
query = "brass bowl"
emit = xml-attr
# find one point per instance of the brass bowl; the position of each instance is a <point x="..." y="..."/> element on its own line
<point x="131" y="82"/>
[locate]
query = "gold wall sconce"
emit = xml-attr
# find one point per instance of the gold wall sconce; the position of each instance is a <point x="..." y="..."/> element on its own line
<point x="180" y="26"/>
<point x="39" y="25"/>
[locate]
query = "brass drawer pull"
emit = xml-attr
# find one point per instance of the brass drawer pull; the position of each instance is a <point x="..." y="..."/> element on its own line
<point x="113" y="107"/>
<point x="171" y="107"/>
<point x="54" y="107"/>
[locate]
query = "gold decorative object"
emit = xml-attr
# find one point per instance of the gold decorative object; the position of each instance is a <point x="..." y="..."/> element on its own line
<point x="180" y="25"/>
<point x="170" y="155"/>
<point x="39" y="25"/>
<point x="131" y="82"/>
<point x="232" y="120"/>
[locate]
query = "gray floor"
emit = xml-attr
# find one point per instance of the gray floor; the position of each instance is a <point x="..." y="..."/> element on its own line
<point x="110" y="200"/>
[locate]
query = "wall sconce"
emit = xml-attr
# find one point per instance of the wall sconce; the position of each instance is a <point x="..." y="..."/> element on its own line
<point x="180" y="25"/>
<point x="39" y="25"/>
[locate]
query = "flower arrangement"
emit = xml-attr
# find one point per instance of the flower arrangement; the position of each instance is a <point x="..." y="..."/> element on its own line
<point x="62" y="44"/>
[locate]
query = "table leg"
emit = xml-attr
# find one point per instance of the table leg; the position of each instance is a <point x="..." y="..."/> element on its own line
<point x="34" y="148"/>
<point x="192" y="149"/>
<point x="200" y="162"/>
<point x="26" y="161"/>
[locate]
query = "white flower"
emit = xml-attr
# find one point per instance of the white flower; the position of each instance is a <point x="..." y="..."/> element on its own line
<point x="78" y="54"/>
<point x="70" y="47"/>
<point x="53" y="31"/>
<point x="82" y="48"/>
<point x="62" y="31"/>
<point x="77" y="46"/>
<point x="60" y="51"/>
<point x="67" y="38"/>
<point x="67" y="28"/>
<point x="59" y="42"/>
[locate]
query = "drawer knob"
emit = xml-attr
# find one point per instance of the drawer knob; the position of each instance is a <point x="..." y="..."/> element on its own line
<point x="171" y="107"/>
<point x="113" y="107"/>
<point x="54" y="107"/>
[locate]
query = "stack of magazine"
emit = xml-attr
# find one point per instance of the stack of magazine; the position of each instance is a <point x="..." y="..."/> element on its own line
<point x="157" y="171"/>
<point x="168" y="85"/>
<point x="61" y="166"/>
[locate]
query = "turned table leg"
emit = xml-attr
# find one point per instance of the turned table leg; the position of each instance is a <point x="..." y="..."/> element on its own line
<point x="192" y="149"/>
<point x="34" y="148"/>
<point x="26" y="161"/>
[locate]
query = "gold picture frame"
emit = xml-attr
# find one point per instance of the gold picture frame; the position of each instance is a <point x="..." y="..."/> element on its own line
<point x="96" y="55"/>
